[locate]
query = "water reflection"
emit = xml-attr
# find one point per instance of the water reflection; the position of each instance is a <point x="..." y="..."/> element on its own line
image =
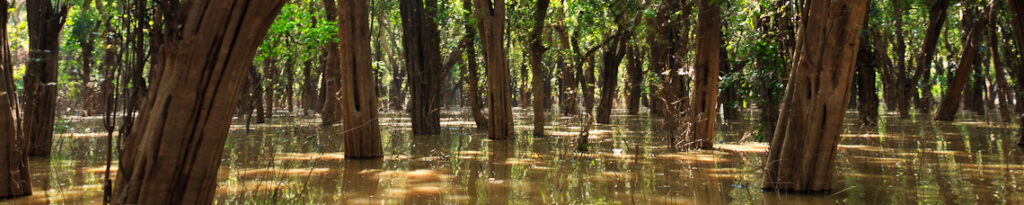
<point x="294" y="161"/>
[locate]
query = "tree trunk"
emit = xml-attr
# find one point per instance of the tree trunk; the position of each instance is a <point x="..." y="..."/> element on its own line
<point x="704" y="95"/>
<point x="1003" y="90"/>
<point x="86" y="95"/>
<point x="951" y="102"/>
<point x="588" y="86"/>
<point x="730" y="94"/>
<point x="536" y="63"/>
<point x="671" y="59"/>
<point x="610" y="76"/>
<point x="904" y="91"/>
<point x="423" y="60"/>
<point x="359" y="98"/>
<point x="804" y="146"/>
<point x="570" y="104"/>
<point x="634" y="72"/>
<point x="14" y="173"/>
<point x="472" y="79"/>
<point x="172" y="157"/>
<point x="491" y="22"/>
<point x="308" y="88"/>
<point x="936" y="20"/>
<point x="289" y="90"/>
<point x="331" y="110"/>
<point x="270" y="71"/>
<point x="867" y="96"/>
<point x="40" y="82"/>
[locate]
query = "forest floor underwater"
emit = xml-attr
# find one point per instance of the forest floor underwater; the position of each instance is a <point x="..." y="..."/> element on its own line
<point x="293" y="160"/>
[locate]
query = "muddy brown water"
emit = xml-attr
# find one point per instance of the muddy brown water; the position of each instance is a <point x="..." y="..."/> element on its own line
<point x="292" y="160"/>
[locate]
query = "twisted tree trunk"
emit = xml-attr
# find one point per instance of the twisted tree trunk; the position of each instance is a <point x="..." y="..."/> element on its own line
<point x="804" y="146"/>
<point x="173" y="153"/>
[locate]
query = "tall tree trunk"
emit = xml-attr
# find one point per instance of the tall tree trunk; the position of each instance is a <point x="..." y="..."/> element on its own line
<point x="704" y="95"/>
<point x="1003" y="90"/>
<point x="867" y="96"/>
<point x="678" y="33"/>
<point x="86" y="95"/>
<point x="491" y="22"/>
<point x="308" y="88"/>
<point x="936" y="20"/>
<point x="423" y="60"/>
<point x="588" y="85"/>
<point x="730" y="98"/>
<point x="45" y="22"/>
<point x="570" y="104"/>
<point x="14" y="172"/>
<point x="270" y="71"/>
<point x="1017" y="8"/>
<point x="635" y="76"/>
<point x="610" y="76"/>
<point x="904" y="89"/>
<point x="289" y="89"/>
<point x="536" y="63"/>
<point x="472" y="79"/>
<point x="804" y="146"/>
<point x="172" y="157"/>
<point x="951" y="102"/>
<point x="331" y="113"/>
<point x="359" y="98"/>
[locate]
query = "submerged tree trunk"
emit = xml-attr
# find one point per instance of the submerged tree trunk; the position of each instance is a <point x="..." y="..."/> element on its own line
<point x="472" y="79"/>
<point x="1017" y="8"/>
<point x="951" y="102"/>
<point x="536" y="63"/>
<point x="423" y="61"/>
<point x="704" y="95"/>
<point x="804" y="146"/>
<point x="570" y="103"/>
<point x="172" y="157"/>
<point x="610" y="76"/>
<point x="45" y="22"/>
<point x="1003" y="92"/>
<point x="588" y="86"/>
<point x="936" y="20"/>
<point x="635" y="76"/>
<point x="491" y="22"/>
<point x="14" y="172"/>
<point x="359" y="98"/>
<point x="867" y="96"/>
<point x="331" y="107"/>
<point x="904" y="89"/>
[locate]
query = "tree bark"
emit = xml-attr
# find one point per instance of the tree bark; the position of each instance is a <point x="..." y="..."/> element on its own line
<point x="536" y="63"/>
<point x="903" y="86"/>
<point x="171" y="156"/>
<point x="331" y="113"/>
<point x="704" y="95"/>
<point x="1017" y="8"/>
<point x="423" y="60"/>
<point x="14" y="173"/>
<point x="936" y="20"/>
<point x="804" y="146"/>
<point x="45" y="22"/>
<point x="951" y="102"/>
<point x="491" y="22"/>
<point x="570" y="103"/>
<point x="588" y="85"/>
<point x="359" y="98"/>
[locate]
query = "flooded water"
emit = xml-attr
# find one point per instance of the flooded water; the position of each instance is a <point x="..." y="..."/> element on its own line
<point x="292" y="160"/>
